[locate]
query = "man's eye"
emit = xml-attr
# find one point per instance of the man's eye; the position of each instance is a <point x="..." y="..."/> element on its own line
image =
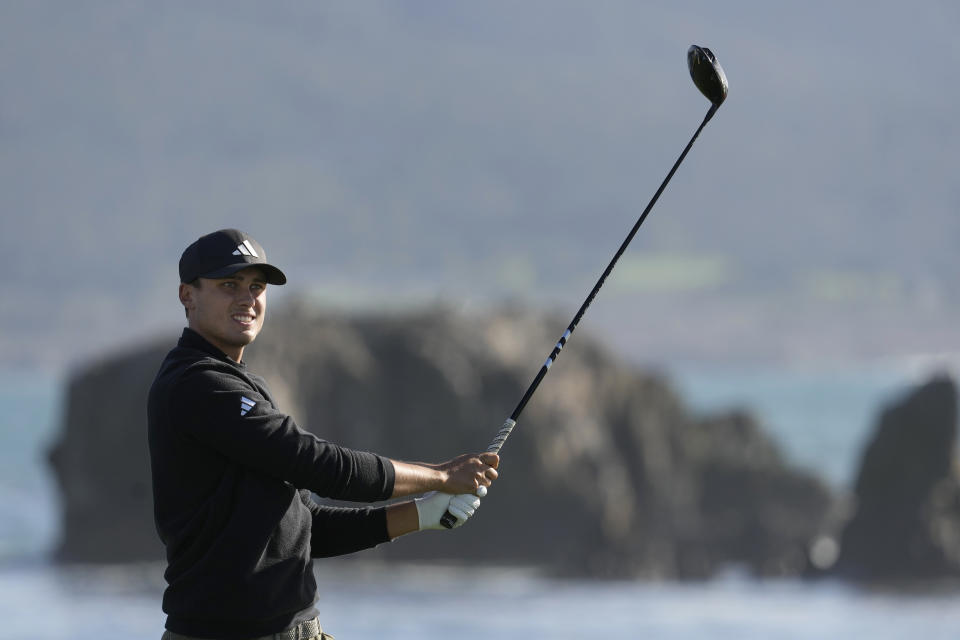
<point x="229" y="284"/>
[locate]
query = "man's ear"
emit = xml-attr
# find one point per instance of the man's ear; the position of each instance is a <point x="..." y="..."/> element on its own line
<point x="186" y="297"/>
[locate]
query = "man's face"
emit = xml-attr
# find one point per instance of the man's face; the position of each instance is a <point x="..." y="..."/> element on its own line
<point x="228" y="312"/>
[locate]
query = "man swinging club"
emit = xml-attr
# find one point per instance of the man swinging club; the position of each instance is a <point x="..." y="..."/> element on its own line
<point x="233" y="474"/>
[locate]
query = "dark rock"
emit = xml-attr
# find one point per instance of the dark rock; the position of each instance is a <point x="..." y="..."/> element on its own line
<point x="102" y="463"/>
<point x="607" y="474"/>
<point x="906" y="524"/>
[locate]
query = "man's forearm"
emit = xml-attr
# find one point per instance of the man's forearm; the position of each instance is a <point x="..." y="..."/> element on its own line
<point x="402" y="518"/>
<point x="416" y="477"/>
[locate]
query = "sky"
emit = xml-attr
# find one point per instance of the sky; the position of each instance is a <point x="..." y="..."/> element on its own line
<point x="483" y="155"/>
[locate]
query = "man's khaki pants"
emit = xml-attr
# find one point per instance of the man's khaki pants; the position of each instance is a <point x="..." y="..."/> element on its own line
<point x="309" y="630"/>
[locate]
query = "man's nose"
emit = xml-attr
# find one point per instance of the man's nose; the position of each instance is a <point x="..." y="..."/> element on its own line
<point x="244" y="296"/>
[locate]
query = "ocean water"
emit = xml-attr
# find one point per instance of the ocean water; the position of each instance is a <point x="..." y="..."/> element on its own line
<point x="405" y="603"/>
<point x="820" y="416"/>
<point x="28" y="501"/>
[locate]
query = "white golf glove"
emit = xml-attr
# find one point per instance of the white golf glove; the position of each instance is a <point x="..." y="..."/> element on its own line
<point x="431" y="507"/>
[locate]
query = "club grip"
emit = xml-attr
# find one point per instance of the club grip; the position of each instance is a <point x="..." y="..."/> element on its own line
<point x="448" y="519"/>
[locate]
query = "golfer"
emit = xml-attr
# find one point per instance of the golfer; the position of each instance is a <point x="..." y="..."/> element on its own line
<point x="233" y="475"/>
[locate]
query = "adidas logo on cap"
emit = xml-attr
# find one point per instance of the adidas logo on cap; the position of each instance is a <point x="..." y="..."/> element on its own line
<point x="245" y="249"/>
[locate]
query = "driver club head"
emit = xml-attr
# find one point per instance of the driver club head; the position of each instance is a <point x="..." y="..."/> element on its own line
<point x="707" y="74"/>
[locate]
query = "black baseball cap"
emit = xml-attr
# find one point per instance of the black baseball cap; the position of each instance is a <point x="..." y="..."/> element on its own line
<point x="223" y="253"/>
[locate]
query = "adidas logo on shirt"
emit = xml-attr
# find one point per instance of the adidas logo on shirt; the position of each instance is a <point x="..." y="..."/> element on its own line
<point x="245" y="405"/>
<point x="245" y="249"/>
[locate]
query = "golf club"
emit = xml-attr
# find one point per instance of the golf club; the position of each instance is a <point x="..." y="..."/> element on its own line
<point x="709" y="78"/>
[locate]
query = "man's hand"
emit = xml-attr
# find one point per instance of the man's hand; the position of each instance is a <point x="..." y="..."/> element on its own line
<point x="469" y="472"/>
<point x="463" y="474"/>
<point x="432" y="506"/>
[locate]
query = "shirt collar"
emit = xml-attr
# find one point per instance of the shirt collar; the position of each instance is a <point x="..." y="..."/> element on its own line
<point x="192" y="340"/>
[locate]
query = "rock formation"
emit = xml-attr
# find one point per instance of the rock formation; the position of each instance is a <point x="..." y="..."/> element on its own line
<point x="607" y="474"/>
<point x="906" y="524"/>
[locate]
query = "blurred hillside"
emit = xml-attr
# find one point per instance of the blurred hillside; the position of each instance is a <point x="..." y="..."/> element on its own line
<point x="394" y="152"/>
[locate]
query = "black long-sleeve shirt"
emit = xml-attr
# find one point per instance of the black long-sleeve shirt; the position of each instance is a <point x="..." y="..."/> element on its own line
<point x="232" y="478"/>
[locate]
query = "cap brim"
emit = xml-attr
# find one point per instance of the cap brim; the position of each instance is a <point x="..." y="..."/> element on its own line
<point x="274" y="275"/>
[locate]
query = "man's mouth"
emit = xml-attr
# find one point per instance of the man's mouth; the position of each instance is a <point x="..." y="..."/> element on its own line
<point x="244" y="318"/>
